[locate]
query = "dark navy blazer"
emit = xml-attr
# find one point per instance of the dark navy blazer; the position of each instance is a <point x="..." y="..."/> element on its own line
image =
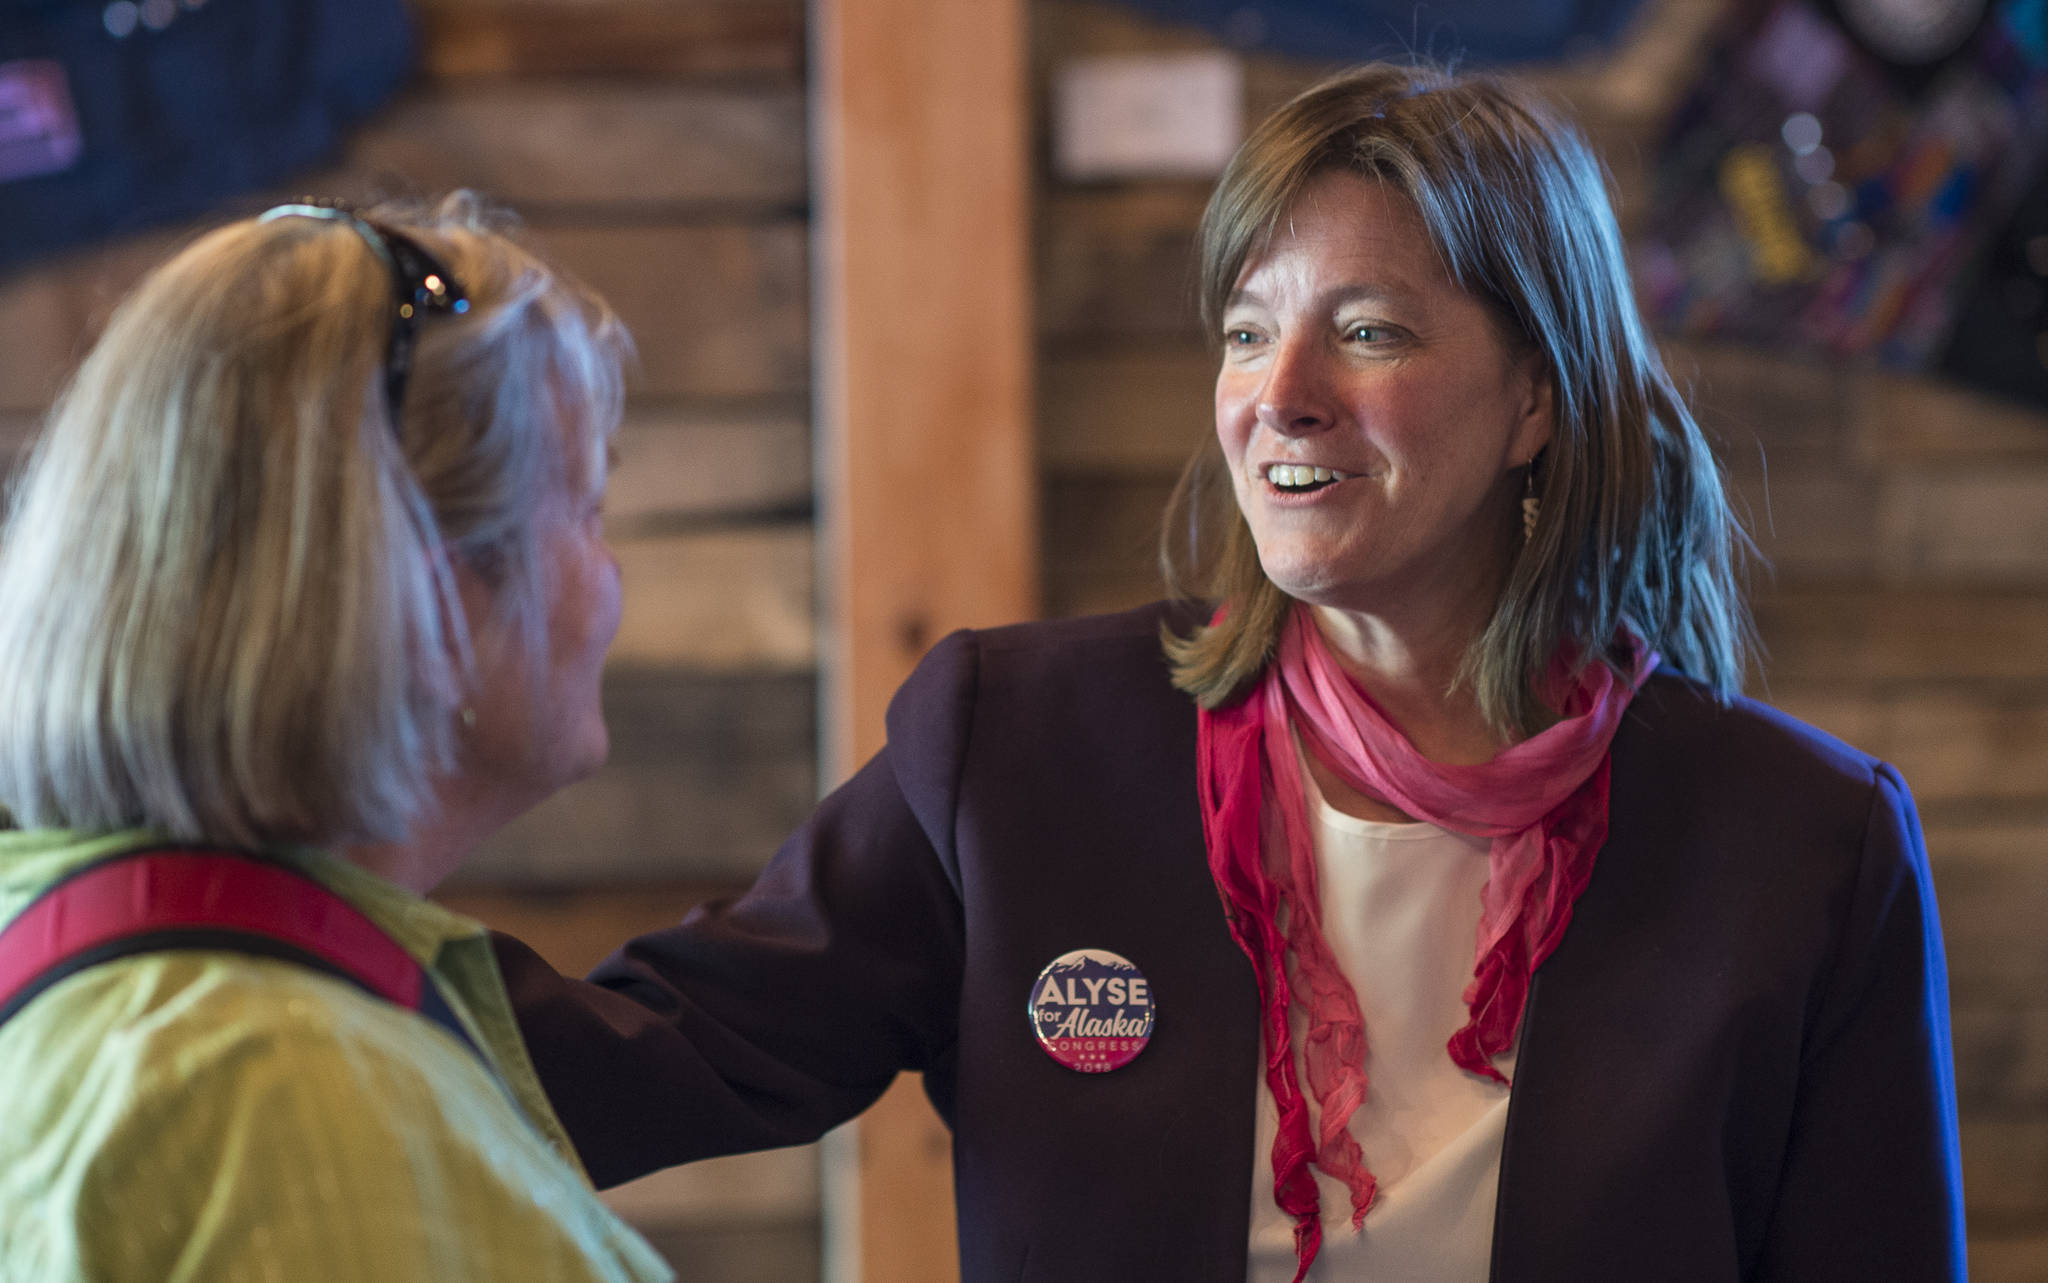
<point x="1735" y="1066"/>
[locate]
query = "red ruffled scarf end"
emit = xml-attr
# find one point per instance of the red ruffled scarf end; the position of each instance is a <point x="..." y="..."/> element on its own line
<point x="1545" y="837"/>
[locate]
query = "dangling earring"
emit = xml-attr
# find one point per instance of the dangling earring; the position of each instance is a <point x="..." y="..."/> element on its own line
<point x="1531" y="505"/>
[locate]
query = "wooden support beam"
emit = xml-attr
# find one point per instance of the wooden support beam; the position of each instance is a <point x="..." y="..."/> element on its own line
<point x="925" y="455"/>
<point x="923" y="364"/>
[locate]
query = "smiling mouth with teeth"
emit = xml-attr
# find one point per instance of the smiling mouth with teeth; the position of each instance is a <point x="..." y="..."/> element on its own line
<point x="1299" y="478"/>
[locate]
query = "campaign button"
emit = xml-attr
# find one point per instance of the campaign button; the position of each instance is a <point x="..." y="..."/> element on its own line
<point x="1091" y="1010"/>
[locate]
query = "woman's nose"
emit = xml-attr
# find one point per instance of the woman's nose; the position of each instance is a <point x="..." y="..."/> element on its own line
<point x="1296" y="398"/>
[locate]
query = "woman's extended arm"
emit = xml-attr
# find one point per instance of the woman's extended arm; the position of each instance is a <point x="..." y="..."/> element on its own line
<point x="766" y="1020"/>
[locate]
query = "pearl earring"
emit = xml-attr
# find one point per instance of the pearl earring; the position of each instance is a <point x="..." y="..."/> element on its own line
<point x="468" y="716"/>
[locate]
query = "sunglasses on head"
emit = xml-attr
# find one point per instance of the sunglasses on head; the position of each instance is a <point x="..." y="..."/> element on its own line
<point x="418" y="280"/>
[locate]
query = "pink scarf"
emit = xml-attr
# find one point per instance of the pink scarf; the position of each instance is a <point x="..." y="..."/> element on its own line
<point x="1542" y="801"/>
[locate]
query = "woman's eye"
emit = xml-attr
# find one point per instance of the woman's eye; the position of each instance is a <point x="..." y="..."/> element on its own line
<point x="1239" y="338"/>
<point x="1368" y="333"/>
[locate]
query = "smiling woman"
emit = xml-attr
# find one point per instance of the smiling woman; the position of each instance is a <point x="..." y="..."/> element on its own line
<point x="1475" y="211"/>
<point x="1486" y="931"/>
<point x="1348" y="351"/>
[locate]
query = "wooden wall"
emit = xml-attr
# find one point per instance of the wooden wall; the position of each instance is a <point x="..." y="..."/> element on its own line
<point x="1907" y="523"/>
<point x="657" y="147"/>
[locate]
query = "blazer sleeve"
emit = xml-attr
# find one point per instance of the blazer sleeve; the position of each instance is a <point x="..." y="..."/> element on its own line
<point x="1872" y="1183"/>
<point x="769" y="1019"/>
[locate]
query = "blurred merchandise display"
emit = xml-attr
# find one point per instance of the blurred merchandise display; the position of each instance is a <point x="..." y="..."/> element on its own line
<point x="116" y="115"/>
<point x="1861" y="179"/>
<point x="1462" y="31"/>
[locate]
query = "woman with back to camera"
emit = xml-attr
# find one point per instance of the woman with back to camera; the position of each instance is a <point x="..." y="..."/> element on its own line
<point x="304" y="592"/>
<point x="1484" y="931"/>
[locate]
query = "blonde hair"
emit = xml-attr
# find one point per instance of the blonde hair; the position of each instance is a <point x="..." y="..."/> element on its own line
<point x="227" y="606"/>
<point x="1635" y="529"/>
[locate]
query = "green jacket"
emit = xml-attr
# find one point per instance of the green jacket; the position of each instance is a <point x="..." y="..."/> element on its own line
<point x="196" y="1115"/>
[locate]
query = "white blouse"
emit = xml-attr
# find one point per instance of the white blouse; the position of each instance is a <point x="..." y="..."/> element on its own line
<point x="1400" y="911"/>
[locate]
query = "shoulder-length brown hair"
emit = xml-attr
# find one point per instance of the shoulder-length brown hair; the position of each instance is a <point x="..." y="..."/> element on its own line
<point x="1635" y="529"/>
